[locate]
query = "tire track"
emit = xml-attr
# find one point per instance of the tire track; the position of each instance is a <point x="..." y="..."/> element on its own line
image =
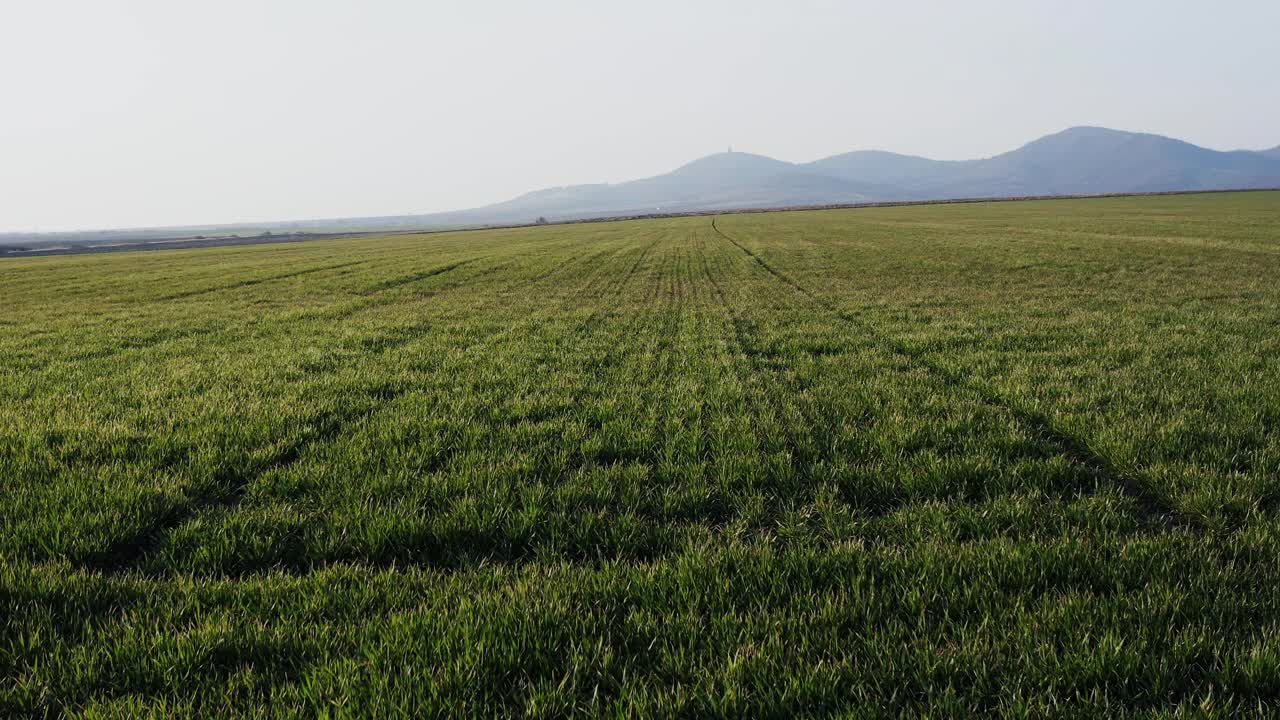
<point x="255" y="281"/>
<point x="230" y="485"/>
<point x="1153" y="506"/>
<point x="416" y="276"/>
<point x="744" y="338"/>
<point x="161" y="337"/>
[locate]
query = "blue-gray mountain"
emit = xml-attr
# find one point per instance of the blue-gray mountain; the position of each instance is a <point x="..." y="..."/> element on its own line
<point x="1081" y="160"/>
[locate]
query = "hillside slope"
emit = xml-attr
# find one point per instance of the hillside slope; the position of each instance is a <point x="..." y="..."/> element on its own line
<point x="1076" y="161"/>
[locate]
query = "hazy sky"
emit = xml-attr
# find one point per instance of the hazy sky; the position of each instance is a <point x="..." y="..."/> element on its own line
<point x="140" y="112"/>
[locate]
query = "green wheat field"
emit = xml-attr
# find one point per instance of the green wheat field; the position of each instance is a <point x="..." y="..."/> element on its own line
<point x="1013" y="459"/>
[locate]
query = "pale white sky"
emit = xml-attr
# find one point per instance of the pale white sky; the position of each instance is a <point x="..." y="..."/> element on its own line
<point x="153" y="112"/>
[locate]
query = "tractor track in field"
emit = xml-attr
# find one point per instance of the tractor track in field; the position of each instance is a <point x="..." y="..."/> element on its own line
<point x="162" y="336"/>
<point x="344" y="311"/>
<point x="371" y="297"/>
<point x="417" y="276"/>
<point x="743" y="339"/>
<point x="230" y="486"/>
<point x="1153" y="508"/>
<point x="256" y="281"/>
<point x="368" y="299"/>
<point x="800" y="460"/>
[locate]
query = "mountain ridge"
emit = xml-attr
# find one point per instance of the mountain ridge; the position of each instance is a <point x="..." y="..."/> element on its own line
<point x="1080" y="160"/>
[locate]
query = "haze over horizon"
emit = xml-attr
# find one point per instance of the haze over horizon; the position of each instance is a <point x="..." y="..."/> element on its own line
<point x="139" y="113"/>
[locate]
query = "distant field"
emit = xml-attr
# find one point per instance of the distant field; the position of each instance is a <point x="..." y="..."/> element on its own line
<point x="1018" y="459"/>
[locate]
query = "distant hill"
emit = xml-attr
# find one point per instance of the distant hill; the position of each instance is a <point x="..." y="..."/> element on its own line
<point x="1077" y="161"/>
<point x="723" y="180"/>
<point x="887" y="167"/>
<point x="1097" y="160"/>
